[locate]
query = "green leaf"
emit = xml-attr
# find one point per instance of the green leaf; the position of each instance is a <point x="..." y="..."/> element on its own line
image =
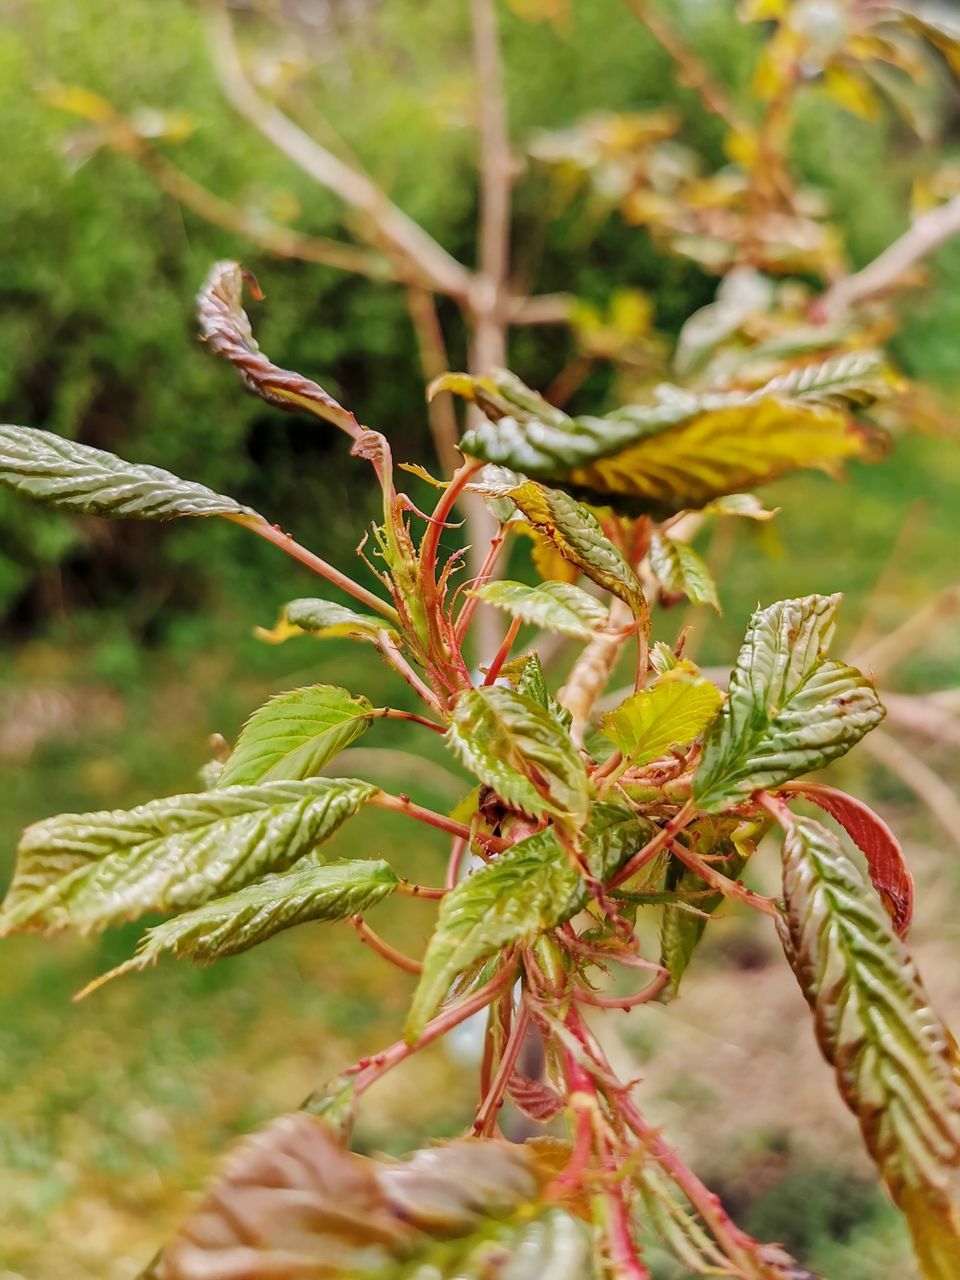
<point x="295" y="734"/>
<point x="531" y="683"/>
<point x="671" y="713"/>
<point x="896" y="1062"/>
<point x="518" y="749"/>
<point x="529" y="889"/>
<point x="76" y="477"/>
<point x="681" y="571"/>
<point x="789" y="710"/>
<point x="576" y="534"/>
<point x="552" y="606"/>
<point x="683" y="449"/>
<point x="90" y="870"/>
<point x="293" y="1202"/>
<point x="937" y="22"/>
<point x="327" y="621"/>
<point x="238" y="921"/>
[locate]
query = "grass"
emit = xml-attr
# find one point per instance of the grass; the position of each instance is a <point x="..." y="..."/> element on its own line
<point x="112" y="1111"/>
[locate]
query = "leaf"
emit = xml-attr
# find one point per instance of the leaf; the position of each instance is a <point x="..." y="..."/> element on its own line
<point x="532" y="683"/>
<point x="576" y="534"/>
<point x="518" y="749"/>
<point x="747" y="505"/>
<point x="326" y="620"/>
<point x="895" y="1061"/>
<point x="789" y="710"/>
<point x="529" y="889"/>
<point x="76" y="477"/>
<point x="291" y="1203"/>
<point x="886" y="864"/>
<point x="295" y="734"/>
<point x="90" y="870"/>
<point x="552" y="606"/>
<point x="680" y="929"/>
<point x="683" y="449"/>
<point x="238" y="921"/>
<point x="938" y="23"/>
<point x="671" y="713"/>
<point x="680" y="571"/>
<point x="225" y="327"/>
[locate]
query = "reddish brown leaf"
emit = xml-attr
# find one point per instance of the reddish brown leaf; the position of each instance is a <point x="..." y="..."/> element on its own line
<point x="888" y="868"/>
<point x="534" y="1098"/>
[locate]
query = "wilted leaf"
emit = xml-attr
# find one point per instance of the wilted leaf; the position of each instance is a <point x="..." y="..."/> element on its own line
<point x="530" y="888"/>
<point x="293" y="1204"/>
<point x="576" y="534"/>
<point x="683" y="449"/>
<point x="789" y="710"/>
<point x="886" y="864"/>
<point x="93" y="869"/>
<point x="895" y="1061"/>
<point x="680" y="571"/>
<point x="671" y="713"/>
<point x="295" y="734"/>
<point x="76" y="477"/>
<point x="513" y="745"/>
<point x="238" y="921"/>
<point x="552" y="606"/>
<point x="326" y="620"/>
<point x="225" y="327"/>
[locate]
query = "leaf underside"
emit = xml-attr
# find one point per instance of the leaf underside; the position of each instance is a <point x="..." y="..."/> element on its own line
<point x="325" y="620"/>
<point x="552" y="606"/>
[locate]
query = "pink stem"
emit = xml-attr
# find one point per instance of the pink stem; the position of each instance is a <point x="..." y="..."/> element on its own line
<point x="274" y="534"/>
<point x="659" y="842"/>
<point x="369" y="1070"/>
<point x="392" y="655"/>
<point x="457" y="850"/>
<point x="491" y="1103"/>
<point x="383" y="948"/>
<point x="723" y="884"/>
<point x="500" y="658"/>
<point x="465" y="616"/>
<point x="649" y="992"/>
<point x="392" y="713"/>
<point x="403" y="804"/>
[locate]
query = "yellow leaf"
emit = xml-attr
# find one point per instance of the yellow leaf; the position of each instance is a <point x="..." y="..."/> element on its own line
<point x="671" y="713"/>
<point x="852" y="92"/>
<point x="78" y="102"/>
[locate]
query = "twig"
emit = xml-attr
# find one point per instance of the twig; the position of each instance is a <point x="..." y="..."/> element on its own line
<point x="891" y="649"/>
<point x="437" y="268"/>
<point x="496" y="165"/>
<point x="654" y="846"/>
<point x="441" y="414"/>
<point x="392" y="655"/>
<point x="274" y="534"/>
<point x="928" y="786"/>
<point x="493" y="671"/>
<point x="428" y="892"/>
<point x="403" y="804"/>
<point x="649" y="992"/>
<point x="485" y="573"/>
<point x="723" y="884"/>
<point x="694" y="73"/>
<point x="927" y="234"/>
<point x="394" y="713"/>
<point x="592" y="669"/>
<point x="383" y="948"/>
<point x="511" y="1051"/>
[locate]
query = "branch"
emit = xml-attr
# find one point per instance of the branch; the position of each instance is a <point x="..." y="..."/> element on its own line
<point x="593" y="667"/>
<point x="927" y="234"/>
<point x="694" y="74"/>
<point x="437" y="268"/>
<point x="496" y="164"/>
<point x="441" y="414"/>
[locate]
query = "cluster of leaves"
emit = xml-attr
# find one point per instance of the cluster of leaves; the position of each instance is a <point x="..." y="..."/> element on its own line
<point x="572" y="833"/>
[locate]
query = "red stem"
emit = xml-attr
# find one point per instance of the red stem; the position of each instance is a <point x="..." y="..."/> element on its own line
<point x="457" y="850"/>
<point x="383" y="948"/>
<point x="431" y="538"/>
<point x="393" y="713"/>
<point x="723" y="884"/>
<point x="465" y="616"/>
<point x="491" y="1103"/>
<point x="403" y="804"/>
<point x="501" y="655"/>
<point x="659" y="841"/>
<point x="649" y="992"/>
<point x="369" y="1070"/>
<point x="392" y="655"/>
<point x="285" y="542"/>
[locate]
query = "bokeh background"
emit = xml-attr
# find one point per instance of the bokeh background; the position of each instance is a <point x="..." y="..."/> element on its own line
<point x="125" y="646"/>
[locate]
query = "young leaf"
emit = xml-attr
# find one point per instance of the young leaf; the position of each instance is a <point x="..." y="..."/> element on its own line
<point x="225" y="327"/>
<point x="295" y="734"/>
<point x="518" y="749"/>
<point x="76" y="477"/>
<point x="326" y="620"/>
<point x="896" y="1062"/>
<point x="886" y="864"/>
<point x="681" y="571"/>
<point x="238" y="921"/>
<point x="683" y="449"/>
<point x="531" y="683"/>
<point x="552" y="606"/>
<point x="526" y="891"/>
<point x="576" y="534"/>
<point x="789" y="710"/>
<point x="291" y="1201"/>
<point x="671" y="713"/>
<point x="90" y="870"/>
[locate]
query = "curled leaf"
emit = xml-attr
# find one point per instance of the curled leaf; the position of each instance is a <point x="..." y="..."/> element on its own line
<point x="552" y="606"/>
<point x="225" y="327"/>
<point x="681" y="571"/>
<point x="325" y="620"/>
